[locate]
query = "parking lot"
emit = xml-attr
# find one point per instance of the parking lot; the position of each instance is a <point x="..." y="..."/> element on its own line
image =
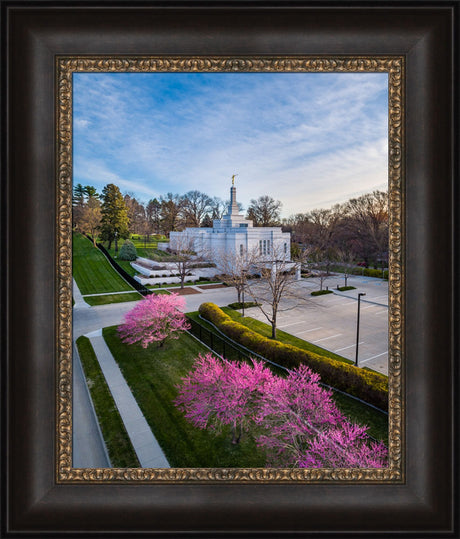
<point x="330" y="321"/>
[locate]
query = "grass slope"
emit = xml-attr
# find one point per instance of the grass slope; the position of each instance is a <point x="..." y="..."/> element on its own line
<point x="118" y="444"/>
<point x="92" y="271"/>
<point x="152" y="375"/>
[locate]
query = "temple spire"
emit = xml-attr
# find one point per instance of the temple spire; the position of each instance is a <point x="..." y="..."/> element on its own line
<point x="233" y="206"/>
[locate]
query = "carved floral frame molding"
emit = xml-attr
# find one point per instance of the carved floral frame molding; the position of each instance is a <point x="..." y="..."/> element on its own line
<point x="65" y="67"/>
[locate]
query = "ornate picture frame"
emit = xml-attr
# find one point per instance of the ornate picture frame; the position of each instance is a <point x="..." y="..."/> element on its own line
<point x="44" y="492"/>
<point x="394" y="67"/>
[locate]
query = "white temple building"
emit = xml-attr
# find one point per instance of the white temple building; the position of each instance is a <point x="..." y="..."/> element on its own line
<point x="234" y="234"/>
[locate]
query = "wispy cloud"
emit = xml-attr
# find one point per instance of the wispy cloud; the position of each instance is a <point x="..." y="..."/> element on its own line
<point x="304" y="139"/>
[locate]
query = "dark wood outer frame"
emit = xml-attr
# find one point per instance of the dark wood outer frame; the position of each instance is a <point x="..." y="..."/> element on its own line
<point x="36" y="33"/>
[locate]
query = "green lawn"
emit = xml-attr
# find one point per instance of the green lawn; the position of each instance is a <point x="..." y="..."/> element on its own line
<point x="112" y="298"/>
<point x="144" y="249"/>
<point x="152" y="375"/>
<point x="353" y="409"/>
<point x="125" y="264"/>
<point x="92" y="270"/>
<point x="282" y="336"/>
<point x="116" y="438"/>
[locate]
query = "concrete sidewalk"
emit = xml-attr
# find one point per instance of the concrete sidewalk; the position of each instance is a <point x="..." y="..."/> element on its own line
<point x="77" y="296"/>
<point x="145" y="445"/>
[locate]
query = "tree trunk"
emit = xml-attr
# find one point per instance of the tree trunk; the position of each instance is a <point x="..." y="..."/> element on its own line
<point x="274" y="329"/>
<point x="239" y="295"/>
<point x="236" y="437"/>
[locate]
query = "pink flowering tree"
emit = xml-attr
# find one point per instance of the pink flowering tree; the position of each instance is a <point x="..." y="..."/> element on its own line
<point x="156" y="318"/>
<point x="302" y="427"/>
<point x="296" y="420"/>
<point x="218" y="393"/>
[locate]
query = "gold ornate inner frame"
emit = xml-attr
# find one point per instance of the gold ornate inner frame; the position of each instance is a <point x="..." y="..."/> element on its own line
<point x="65" y="67"/>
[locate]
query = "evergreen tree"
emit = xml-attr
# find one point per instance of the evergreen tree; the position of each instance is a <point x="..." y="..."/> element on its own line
<point x="153" y="212"/>
<point x="128" y="251"/>
<point x="78" y="203"/>
<point x="114" y="223"/>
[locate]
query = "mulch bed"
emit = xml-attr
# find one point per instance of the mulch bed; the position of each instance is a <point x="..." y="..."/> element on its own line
<point x="183" y="291"/>
<point x="212" y="286"/>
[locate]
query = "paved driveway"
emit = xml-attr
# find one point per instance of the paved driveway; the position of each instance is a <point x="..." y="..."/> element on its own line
<point x="330" y="321"/>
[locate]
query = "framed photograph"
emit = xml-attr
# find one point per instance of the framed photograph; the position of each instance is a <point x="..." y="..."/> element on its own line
<point x="123" y="125"/>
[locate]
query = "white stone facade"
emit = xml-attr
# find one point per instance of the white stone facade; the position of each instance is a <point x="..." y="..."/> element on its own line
<point x="234" y="234"/>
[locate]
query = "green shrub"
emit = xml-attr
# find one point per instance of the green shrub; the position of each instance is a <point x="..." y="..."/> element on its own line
<point x="368" y="272"/>
<point x="239" y="305"/>
<point x="345" y="288"/>
<point x="369" y="386"/>
<point x="321" y="292"/>
<point x="127" y="251"/>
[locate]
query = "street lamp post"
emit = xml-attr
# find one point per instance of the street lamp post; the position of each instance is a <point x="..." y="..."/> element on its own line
<point x="242" y="314"/>
<point x="357" y="327"/>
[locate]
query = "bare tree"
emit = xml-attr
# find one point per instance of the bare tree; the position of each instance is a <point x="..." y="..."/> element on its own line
<point x="346" y="259"/>
<point x="136" y="214"/>
<point x="278" y="288"/>
<point x="265" y="211"/>
<point x="236" y="268"/>
<point x="218" y="208"/>
<point x="366" y="225"/>
<point x="195" y="206"/>
<point x="183" y="257"/>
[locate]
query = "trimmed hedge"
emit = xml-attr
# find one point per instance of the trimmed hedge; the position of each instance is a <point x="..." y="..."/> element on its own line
<point x="345" y="288"/>
<point x="320" y="292"/>
<point x="239" y="305"/>
<point x="369" y="272"/>
<point x="369" y="386"/>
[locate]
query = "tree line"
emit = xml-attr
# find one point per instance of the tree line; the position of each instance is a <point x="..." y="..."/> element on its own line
<point x="354" y="230"/>
<point x="113" y="215"/>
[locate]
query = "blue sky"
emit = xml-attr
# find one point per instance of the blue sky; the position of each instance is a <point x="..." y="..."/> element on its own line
<point x="307" y="139"/>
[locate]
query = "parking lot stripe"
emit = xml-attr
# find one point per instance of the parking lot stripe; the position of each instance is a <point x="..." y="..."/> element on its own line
<point x="345" y="347"/>
<point x="373" y="357"/>
<point x="308" y="330"/>
<point x="326" y="338"/>
<point x="288" y="325"/>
